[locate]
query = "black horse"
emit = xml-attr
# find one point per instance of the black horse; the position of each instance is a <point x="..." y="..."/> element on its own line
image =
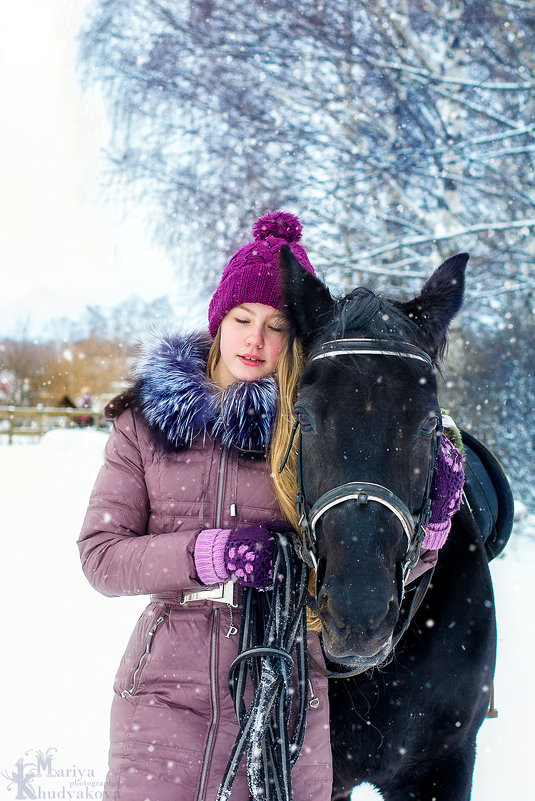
<point x="408" y="723"/>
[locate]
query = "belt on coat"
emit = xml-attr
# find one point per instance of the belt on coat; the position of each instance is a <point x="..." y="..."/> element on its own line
<point x="222" y="593"/>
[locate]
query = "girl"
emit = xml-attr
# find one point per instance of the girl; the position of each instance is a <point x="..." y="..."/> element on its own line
<point x="186" y="482"/>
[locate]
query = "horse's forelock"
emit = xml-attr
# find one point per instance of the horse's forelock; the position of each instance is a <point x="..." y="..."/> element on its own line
<point x="367" y="313"/>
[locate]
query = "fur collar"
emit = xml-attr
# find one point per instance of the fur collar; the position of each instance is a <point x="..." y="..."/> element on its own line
<point x="180" y="403"/>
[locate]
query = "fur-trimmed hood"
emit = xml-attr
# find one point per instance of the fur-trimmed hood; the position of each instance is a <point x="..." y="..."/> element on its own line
<point x="179" y="403"/>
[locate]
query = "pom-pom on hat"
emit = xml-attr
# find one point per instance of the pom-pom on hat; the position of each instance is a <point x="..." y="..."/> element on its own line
<point x="252" y="275"/>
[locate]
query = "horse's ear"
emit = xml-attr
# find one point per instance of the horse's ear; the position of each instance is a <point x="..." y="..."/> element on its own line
<point x="438" y="302"/>
<point x="308" y="302"/>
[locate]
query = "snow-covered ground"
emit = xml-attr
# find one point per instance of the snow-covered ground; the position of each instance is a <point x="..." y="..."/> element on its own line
<point x="62" y="641"/>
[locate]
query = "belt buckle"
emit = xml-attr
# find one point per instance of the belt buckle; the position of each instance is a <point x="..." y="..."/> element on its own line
<point x="222" y="593"/>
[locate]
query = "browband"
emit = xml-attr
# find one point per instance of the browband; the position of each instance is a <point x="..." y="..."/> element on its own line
<point x="370" y="347"/>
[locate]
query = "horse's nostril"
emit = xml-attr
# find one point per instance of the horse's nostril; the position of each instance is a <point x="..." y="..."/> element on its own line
<point x="383" y="619"/>
<point x="327" y="606"/>
<point x="322" y="597"/>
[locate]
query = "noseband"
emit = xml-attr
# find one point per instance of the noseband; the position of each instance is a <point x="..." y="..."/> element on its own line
<point x="414" y="525"/>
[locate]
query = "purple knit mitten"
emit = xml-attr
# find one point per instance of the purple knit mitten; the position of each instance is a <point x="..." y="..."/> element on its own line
<point x="446" y="493"/>
<point x="250" y="553"/>
<point x="245" y="555"/>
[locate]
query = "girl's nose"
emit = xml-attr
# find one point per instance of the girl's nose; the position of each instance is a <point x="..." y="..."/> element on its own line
<point x="255" y="337"/>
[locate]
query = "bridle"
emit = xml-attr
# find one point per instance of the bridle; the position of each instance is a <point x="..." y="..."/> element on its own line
<point x="414" y="523"/>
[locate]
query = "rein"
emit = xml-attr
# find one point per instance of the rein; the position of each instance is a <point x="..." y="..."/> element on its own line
<point x="273" y="641"/>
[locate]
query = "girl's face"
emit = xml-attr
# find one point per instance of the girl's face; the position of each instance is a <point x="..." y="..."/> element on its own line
<point x="253" y="336"/>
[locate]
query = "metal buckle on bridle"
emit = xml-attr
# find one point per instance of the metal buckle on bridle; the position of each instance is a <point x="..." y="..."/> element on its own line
<point x="306" y="546"/>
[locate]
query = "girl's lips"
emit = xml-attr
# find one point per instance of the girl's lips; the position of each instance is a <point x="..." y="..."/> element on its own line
<point x="250" y="361"/>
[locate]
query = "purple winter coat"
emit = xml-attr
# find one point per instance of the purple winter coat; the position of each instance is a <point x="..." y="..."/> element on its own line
<point x="173" y="724"/>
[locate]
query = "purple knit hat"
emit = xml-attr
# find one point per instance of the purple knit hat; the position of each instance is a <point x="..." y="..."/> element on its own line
<point x="252" y="275"/>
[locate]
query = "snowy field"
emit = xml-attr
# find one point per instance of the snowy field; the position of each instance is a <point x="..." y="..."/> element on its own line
<point x="62" y="641"/>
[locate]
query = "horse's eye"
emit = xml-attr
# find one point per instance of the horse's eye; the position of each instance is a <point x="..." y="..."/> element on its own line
<point x="430" y="424"/>
<point x="304" y="421"/>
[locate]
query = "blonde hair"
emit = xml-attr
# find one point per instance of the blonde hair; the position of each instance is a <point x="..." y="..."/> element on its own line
<point x="214" y="355"/>
<point x="289" y="369"/>
<point x="288" y="373"/>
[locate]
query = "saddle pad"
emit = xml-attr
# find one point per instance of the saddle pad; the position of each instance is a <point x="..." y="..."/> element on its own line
<point x="488" y="493"/>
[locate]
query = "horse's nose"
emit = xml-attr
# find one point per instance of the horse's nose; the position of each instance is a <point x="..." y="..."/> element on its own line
<point x="369" y="617"/>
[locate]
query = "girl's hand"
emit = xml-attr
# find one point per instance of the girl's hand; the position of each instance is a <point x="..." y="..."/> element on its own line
<point x="245" y="555"/>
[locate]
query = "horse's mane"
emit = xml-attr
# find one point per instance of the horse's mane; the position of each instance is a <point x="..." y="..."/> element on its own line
<point x="364" y="312"/>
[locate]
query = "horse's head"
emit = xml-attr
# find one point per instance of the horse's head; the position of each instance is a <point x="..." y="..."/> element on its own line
<point x="369" y="417"/>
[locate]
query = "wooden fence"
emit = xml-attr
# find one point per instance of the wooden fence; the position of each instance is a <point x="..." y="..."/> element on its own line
<point x="36" y="421"/>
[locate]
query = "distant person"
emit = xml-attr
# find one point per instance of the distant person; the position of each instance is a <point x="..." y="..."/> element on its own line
<point x="184" y="509"/>
<point x="86" y="399"/>
<point x="86" y="403"/>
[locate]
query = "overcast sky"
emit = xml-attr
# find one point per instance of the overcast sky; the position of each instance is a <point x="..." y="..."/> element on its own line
<point x="61" y="246"/>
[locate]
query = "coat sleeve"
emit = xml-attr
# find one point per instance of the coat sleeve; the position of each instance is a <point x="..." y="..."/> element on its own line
<point x="118" y="556"/>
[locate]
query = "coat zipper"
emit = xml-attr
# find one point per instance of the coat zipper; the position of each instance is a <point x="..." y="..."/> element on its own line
<point x="313" y="701"/>
<point x="220" y="485"/>
<point x="213" y="645"/>
<point x="215" y="711"/>
<point x="148" y="645"/>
